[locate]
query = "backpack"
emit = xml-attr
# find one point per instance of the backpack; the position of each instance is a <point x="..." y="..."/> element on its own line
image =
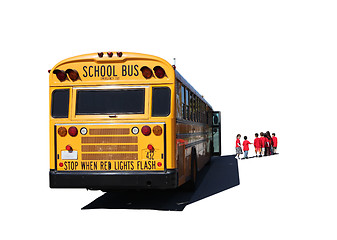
<point x="266" y="142"/>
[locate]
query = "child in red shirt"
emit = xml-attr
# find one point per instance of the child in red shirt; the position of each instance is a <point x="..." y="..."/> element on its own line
<point x="274" y="143"/>
<point x="262" y="143"/>
<point x="246" y="147"/>
<point x="238" y="146"/>
<point x="257" y="144"/>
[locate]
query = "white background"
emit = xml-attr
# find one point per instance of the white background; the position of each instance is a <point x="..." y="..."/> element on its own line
<point x="266" y="65"/>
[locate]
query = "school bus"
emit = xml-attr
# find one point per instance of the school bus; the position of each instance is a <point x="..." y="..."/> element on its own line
<point x="127" y="120"/>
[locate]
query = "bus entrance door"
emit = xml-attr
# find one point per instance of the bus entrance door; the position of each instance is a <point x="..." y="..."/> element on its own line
<point x="216" y="134"/>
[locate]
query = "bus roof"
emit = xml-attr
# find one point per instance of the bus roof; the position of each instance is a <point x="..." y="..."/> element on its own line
<point x="95" y="57"/>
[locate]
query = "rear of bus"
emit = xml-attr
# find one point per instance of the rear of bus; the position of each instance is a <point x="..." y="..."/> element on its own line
<point x="112" y="122"/>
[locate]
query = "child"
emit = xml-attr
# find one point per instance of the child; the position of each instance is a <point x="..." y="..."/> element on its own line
<point x="246" y="147"/>
<point x="257" y="144"/>
<point x="268" y="143"/>
<point x="238" y="146"/>
<point x="274" y="143"/>
<point x="262" y="143"/>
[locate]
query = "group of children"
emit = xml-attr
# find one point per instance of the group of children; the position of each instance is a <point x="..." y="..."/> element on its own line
<point x="265" y="145"/>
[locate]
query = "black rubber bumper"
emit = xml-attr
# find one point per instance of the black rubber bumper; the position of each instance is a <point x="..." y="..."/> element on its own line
<point x="113" y="180"/>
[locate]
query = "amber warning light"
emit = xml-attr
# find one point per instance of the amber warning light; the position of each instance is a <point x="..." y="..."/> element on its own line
<point x="62" y="75"/>
<point x="159" y="72"/>
<point x="147" y="72"/>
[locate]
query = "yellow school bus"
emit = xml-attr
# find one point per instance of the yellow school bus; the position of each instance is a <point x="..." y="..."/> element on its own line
<point x="127" y="120"/>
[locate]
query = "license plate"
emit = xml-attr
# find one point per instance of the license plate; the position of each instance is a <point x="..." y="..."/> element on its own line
<point x="69" y="155"/>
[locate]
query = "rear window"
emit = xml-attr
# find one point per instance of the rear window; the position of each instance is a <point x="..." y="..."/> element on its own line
<point x="112" y="101"/>
<point x="161" y="101"/>
<point x="60" y="103"/>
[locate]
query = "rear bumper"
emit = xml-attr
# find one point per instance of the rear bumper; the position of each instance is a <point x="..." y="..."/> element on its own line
<point x="113" y="180"/>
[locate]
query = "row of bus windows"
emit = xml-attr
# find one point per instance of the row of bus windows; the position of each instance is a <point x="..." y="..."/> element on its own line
<point x="190" y="106"/>
<point x="111" y="101"/>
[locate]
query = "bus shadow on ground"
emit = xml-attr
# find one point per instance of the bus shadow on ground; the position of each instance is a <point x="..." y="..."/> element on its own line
<point x="221" y="174"/>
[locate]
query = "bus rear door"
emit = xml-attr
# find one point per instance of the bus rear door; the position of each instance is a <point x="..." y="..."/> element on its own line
<point x="216" y="134"/>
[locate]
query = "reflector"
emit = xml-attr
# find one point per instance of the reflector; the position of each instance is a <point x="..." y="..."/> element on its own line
<point x="110" y="54"/>
<point x="147" y="73"/>
<point x="150" y="147"/>
<point x="159" y="71"/>
<point x="119" y="54"/>
<point x="100" y="54"/>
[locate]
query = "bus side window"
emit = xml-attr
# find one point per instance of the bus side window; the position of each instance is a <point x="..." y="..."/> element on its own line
<point x="183" y="101"/>
<point x="187" y="104"/>
<point x="191" y="106"/>
<point x="178" y="100"/>
<point x="60" y="103"/>
<point x="198" y="111"/>
<point x="161" y="101"/>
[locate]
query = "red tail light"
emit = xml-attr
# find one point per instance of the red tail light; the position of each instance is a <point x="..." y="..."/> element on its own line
<point x="146" y="130"/>
<point x="73" y="74"/>
<point x="60" y="74"/>
<point x="159" y="71"/>
<point x="147" y="72"/>
<point x="100" y="54"/>
<point x="119" y="54"/>
<point x="69" y="148"/>
<point x="110" y="54"/>
<point x="73" y="131"/>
